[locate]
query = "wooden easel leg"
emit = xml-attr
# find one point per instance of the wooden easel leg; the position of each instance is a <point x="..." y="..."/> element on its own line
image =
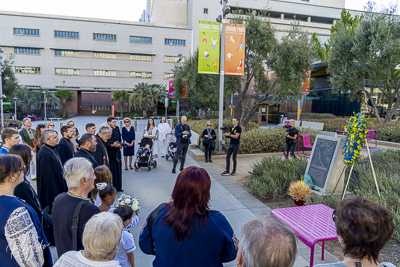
<point x="348" y="180"/>
<point x="340" y="178"/>
<point x="372" y="167"/>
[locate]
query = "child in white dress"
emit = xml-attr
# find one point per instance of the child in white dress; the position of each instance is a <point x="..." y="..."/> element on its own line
<point x="127" y="245"/>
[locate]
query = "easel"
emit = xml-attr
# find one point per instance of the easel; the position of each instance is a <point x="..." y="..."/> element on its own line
<point x="351" y="170"/>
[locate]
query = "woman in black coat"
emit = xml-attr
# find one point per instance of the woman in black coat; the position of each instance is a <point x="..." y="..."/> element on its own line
<point x="25" y="191"/>
<point x="209" y="137"/>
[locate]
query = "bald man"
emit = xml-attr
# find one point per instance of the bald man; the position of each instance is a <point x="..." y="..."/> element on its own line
<point x="182" y="134"/>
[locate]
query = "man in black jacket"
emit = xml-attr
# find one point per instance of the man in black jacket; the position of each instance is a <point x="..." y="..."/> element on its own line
<point x="101" y="154"/>
<point x="114" y="153"/>
<point x="291" y="135"/>
<point x="65" y="146"/>
<point x="87" y="146"/>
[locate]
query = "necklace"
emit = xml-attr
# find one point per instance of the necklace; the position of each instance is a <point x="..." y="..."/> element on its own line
<point x="84" y="150"/>
<point x="71" y="146"/>
<point x="55" y="154"/>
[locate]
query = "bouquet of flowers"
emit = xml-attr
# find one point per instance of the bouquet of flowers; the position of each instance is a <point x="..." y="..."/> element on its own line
<point x="355" y="139"/>
<point x="131" y="201"/>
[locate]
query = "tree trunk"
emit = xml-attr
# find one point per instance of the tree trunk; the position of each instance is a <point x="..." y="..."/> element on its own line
<point x="64" y="109"/>
<point x="145" y="113"/>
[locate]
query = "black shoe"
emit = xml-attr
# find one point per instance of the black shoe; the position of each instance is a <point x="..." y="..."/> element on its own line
<point x="180" y="169"/>
<point x="206" y="160"/>
<point x="209" y="160"/>
<point x="225" y="173"/>
<point x="173" y="171"/>
<point x="233" y="173"/>
<point x="162" y="156"/>
<point x="126" y="168"/>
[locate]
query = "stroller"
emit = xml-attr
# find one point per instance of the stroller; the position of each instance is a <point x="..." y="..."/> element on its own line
<point x="171" y="146"/>
<point x="143" y="156"/>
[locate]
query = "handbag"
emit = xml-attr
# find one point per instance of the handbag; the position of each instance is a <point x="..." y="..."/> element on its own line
<point x="206" y="141"/>
<point x="150" y="225"/>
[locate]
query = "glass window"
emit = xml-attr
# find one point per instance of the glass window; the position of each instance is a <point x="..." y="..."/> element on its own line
<point x="66" y="53"/>
<point x="27" y="70"/>
<point x="168" y="75"/>
<point x="107" y="73"/>
<point x="105" y="55"/>
<point x="140" y="57"/>
<point x="26" y="51"/>
<point x="61" y="71"/>
<point x="205" y="10"/>
<point x="172" y="59"/>
<point x="175" y="42"/>
<point x="65" y="34"/>
<point x="141" y="39"/>
<point x="22" y="31"/>
<point x="105" y="37"/>
<point x="140" y="74"/>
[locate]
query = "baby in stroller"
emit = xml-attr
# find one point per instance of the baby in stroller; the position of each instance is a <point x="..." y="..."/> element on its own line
<point x="143" y="155"/>
<point x="144" y="152"/>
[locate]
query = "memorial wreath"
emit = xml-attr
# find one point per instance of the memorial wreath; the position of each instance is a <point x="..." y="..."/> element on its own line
<point x="355" y="139"/>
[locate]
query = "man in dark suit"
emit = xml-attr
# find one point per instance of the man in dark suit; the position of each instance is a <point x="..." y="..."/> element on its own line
<point x="87" y="146"/>
<point x="65" y="147"/>
<point x="183" y="134"/>
<point x="114" y="153"/>
<point x="101" y="154"/>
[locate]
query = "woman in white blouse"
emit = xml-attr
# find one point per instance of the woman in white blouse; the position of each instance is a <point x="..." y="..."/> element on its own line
<point x="151" y="132"/>
<point x="163" y="130"/>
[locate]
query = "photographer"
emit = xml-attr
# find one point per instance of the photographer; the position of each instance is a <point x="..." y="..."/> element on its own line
<point x="291" y="135"/>
<point x="183" y="134"/>
<point x="234" y="134"/>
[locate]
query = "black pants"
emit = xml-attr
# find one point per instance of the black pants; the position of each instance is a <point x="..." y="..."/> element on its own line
<point x="207" y="152"/>
<point x="181" y="150"/>
<point x="232" y="150"/>
<point x="290" y="148"/>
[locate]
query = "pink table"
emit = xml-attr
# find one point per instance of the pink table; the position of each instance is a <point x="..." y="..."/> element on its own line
<point x="311" y="224"/>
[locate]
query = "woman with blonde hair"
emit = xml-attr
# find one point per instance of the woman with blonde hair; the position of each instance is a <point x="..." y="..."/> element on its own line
<point x="100" y="240"/>
<point x="75" y="136"/>
<point x="128" y="137"/>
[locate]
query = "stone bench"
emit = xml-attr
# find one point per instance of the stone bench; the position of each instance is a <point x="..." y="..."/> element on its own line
<point x="138" y="118"/>
<point x="318" y="126"/>
<point x="58" y="119"/>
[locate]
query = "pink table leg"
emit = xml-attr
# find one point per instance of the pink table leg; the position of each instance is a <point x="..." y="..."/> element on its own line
<point x="312" y="256"/>
<point x="323" y="249"/>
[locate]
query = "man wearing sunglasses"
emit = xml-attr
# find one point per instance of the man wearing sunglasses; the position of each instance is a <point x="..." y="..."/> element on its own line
<point x="234" y="134"/>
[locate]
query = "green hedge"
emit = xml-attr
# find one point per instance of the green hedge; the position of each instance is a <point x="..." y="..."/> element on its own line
<point x="272" y="175"/>
<point x="18" y="122"/>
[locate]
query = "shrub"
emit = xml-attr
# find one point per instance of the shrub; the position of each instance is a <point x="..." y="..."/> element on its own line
<point x="18" y="122"/>
<point x="272" y="175"/>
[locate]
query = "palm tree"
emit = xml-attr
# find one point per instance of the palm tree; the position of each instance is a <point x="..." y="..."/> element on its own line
<point x="160" y="93"/>
<point x="64" y="96"/>
<point x="24" y="96"/>
<point x="121" y="96"/>
<point x="142" y="98"/>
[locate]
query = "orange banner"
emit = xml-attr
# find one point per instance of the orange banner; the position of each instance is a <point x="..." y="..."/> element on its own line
<point x="305" y="85"/>
<point x="235" y="42"/>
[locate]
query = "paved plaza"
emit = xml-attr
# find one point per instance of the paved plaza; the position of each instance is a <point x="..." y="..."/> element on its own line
<point x="155" y="187"/>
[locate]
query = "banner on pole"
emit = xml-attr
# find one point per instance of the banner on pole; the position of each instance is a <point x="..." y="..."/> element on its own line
<point x="305" y="85"/>
<point x="209" y="43"/>
<point x="171" y="89"/>
<point x="185" y="90"/>
<point x="235" y="42"/>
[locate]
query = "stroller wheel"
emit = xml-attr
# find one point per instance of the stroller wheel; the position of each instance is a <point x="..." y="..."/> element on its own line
<point x="166" y="157"/>
<point x="149" y="168"/>
<point x="136" y="169"/>
<point x="154" y="164"/>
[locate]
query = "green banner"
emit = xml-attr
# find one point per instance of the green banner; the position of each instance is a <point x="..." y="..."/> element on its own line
<point x="209" y="43"/>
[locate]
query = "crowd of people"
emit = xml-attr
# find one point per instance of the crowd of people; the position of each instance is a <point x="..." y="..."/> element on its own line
<point x="73" y="208"/>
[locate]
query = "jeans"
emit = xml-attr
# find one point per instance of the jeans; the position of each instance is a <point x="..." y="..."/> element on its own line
<point x="290" y="148"/>
<point x="207" y="153"/>
<point x="181" y="149"/>
<point x="232" y="150"/>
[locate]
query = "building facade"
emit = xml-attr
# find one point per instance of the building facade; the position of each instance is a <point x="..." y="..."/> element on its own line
<point x="89" y="56"/>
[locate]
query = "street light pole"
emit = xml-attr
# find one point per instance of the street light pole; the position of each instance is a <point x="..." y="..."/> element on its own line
<point x="15" y="107"/>
<point x="45" y="105"/>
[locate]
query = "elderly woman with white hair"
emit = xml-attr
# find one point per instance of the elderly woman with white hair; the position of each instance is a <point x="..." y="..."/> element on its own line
<point x="100" y="239"/>
<point x="79" y="175"/>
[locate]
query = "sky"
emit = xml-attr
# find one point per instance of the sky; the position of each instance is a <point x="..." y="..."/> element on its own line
<point x="129" y="10"/>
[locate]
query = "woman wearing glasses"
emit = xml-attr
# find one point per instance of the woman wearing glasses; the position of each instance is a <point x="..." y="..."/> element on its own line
<point x="209" y="137"/>
<point x="75" y="137"/>
<point x="22" y="240"/>
<point x="51" y="125"/>
<point x="128" y="137"/>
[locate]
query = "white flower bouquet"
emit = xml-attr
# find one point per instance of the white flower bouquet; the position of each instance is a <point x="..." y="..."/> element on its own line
<point x="131" y="201"/>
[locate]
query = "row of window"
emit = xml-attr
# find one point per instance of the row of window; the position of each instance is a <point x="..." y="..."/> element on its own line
<point x="99" y="37"/>
<point x="103" y="73"/>
<point x="27" y="51"/>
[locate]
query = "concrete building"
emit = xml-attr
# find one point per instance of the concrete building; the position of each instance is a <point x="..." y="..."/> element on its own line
<point x="89" y="55"/>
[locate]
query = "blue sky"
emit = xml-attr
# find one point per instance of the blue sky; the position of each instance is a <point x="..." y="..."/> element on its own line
<point x="119" y="9"/>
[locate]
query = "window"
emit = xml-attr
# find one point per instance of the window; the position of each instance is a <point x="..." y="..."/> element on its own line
<point x="100" y="107"/>
<point x="28" y="70"/>
<point x="172" y="59"/>
<point x="67" y="87"/>
<point x="105" y="37"/>
<point x="60" y="71"/>
<point x="140" y="39"/>
<point x="27" y="51"/>
<point x="66" y="53"/>
<point x="104" y="88"/>
<point x="140" y="74"/>
<point x="168" y="75"/>
<point x="63" y="34"/>
<point x="108" y="73"/>
<point x="105" y="55"/>
<point x="140" y="57"/>
<point x="175" y="42"/>
<point x="205" y="11"/>
<point x="31" y="32"/>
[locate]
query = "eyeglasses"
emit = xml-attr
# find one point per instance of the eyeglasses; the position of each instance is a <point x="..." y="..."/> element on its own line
<point x="126" y="121"/>
<point x="52" y="125"/>
<point x="208" y="125"/>
<point x="334" y="217"/>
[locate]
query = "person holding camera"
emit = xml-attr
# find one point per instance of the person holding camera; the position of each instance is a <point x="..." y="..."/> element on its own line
<point x="182" y="134"/>
<point x="209" y="137"/>
<point x="291" y="135"/>
<point x="234" y="134"/>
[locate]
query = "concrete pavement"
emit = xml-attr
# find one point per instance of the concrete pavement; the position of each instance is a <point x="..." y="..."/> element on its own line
<point x="155" y="187"/>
